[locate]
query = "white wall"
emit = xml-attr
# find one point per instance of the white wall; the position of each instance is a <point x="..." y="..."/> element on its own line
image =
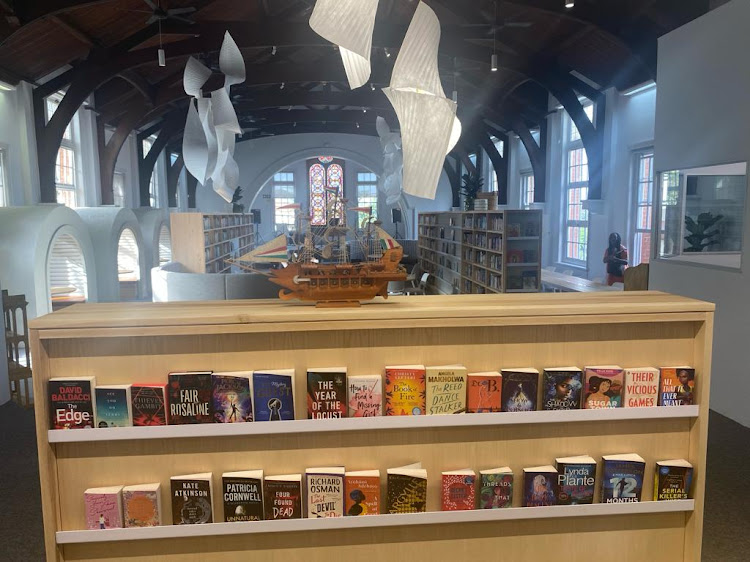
<point x="702" y="118"/>
<point x="17" y="135"/>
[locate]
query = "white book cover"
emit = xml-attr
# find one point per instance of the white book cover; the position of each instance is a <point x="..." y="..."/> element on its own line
<point x="365" y="396"/>
<point x="325" y="491"/>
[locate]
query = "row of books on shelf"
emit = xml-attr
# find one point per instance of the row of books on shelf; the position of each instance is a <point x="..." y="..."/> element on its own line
<point x="214" y="237"/>
<point x="522" y="256"/>
<point x="223" y="221"/>
<point x="526" y="279"/>
<point x="473" y="289"/>
<point x="516" y="230"/>
<point x="246" y="396"/>
<point x="483" y="240"/>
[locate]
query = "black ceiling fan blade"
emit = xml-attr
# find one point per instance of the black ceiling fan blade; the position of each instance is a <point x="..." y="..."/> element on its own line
<point x="518" y="24"/>
<point x="151" y="4"/>
<point x="152" y="19"/>
<point x="180" y="11"/>
<point x="183" y="20"/>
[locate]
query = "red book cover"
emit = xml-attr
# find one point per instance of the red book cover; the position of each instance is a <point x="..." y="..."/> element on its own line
<point x="484" y="392"/>
<point x="72" y="402"/>
<point x="149" y="402"/>
<point x="458" y="490"/>
<point x="326" y="393"/>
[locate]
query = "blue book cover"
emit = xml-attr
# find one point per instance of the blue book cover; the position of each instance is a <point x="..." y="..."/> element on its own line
<point x="539" y="486"/>
<point x="622" y="479"/>
<point x="562" y="389"/>
<point x="232" y="399"/>
<point x="576" y="477"/>
<point x="113" y="408"/>
<point x="273" y="395"/>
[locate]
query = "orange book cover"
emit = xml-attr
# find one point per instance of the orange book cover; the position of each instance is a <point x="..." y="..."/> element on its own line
<point x="405" y="392"/>
<point x="484" y="392"/>
<point x="362" y="492"/>
<point x="459" y="491"/>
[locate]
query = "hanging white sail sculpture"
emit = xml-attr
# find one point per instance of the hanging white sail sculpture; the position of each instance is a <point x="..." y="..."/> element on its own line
<point x="429" y="126"/>
<point x="393" y="162"/>
<point x="349" y="24"/>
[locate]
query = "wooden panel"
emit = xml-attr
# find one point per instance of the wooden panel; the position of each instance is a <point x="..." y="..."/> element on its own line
<point x="187" y="241"/>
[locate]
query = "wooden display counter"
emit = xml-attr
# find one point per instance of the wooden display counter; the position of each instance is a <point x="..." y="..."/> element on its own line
<point x="142" y="342"/>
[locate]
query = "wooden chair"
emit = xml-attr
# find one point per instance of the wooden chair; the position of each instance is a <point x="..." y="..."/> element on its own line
<point x="420" y="289"/>
<point x="636" y="278"/>
<point x="17" y="343"/>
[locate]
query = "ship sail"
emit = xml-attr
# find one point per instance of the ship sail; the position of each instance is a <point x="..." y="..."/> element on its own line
<point x="387" y="242"/>
<point x="274" y="251"/>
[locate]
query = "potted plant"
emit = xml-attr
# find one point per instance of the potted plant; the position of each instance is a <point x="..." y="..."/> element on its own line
<point x="700" y="230"/>
<point x="472" y="185"/>
<point x="237" y="207"/>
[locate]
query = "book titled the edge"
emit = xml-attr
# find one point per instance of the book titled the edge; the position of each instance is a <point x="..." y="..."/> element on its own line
<point x="72" y="402"/>
<point x="406" y="489"/>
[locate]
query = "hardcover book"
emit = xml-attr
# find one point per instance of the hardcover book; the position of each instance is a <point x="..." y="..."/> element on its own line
<point x="641" y="387"/>
<point x="407" y="489"/>
<point x="232" y="397"/>
<point x="622" y="478"/>
<point x="72" y="402"/>
<point x="484" y="392"/>
<point x="362" y="492"/>
<point x="273" y="395"/>
<point x="282" y="496"/>
<point x="520" y="388"/>
<point x="677" y="386"/>
<point x="103" y="507"/>
<point x="575" y="480"/>
<point x="326" y="393"/>
<point x="141" y="505"/>
<point x="539" y="486"/>
<point x="561" y="388"/>
<point x="405" y="393"/>
<point x="672" y="480"/>
<point x="149" y="404"/>
<point x="365" y="394"/>
<point x="243" y="495"/>
<point x="603" y="387"/>
<point x="445" y="389"/>
<point x="113" y="406"/>
<point x="459" y="490"/>
<point x="190" y="398"/>
<point x="325" y="491"/>
<point x="191" y="498"/>
<point x="496" y="488"/>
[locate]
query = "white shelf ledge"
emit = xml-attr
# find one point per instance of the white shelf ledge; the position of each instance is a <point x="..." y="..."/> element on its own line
<point x="367" y="424"/>
<point x="432" y="518"/>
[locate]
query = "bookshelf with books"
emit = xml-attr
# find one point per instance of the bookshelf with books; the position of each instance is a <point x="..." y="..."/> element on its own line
<point x="440" y="249"/>
<point x="523" y="251"/>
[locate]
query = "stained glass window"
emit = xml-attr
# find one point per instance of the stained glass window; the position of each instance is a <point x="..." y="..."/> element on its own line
<point x="318" y="194"/>
<point x="326" y="183"/>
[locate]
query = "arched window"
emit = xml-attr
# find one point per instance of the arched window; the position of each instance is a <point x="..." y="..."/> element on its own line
<point x="165" y="244"/>
<point x="326" y="175"/>
<point x="66" y="272"/>
<point x="128" y="265"/>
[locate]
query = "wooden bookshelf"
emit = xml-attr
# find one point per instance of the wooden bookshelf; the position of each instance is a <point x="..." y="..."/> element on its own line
<point x="523" y="251"/>
<point x="201" y="242"/>
<point x="144" y="341"/>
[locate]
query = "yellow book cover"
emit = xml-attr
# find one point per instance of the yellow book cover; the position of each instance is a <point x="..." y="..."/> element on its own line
<point x="446" y="389"/>
<point x="405" y="393"/>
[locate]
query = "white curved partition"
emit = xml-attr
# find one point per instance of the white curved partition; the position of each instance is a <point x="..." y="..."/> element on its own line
<point x="152" y="222"/>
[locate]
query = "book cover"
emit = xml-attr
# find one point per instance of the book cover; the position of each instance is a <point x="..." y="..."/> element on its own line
<point x="273" y="395"/>
<point x="539" y="486"/>
<point x="604" y="387"/>
<point x="325" y="491"/>
<point x="406" y="489"/>
<point x="496" y="488"/>
<point x="190" y="398"/>
<point x="520" y="389"/>
<point x="677" y="386"/>
<point x="561" y="388"/>
<point x="365" y="395"/>
<point x="71" y="402"/>
<point x="282" y="496"/>
<point x="459" y="490"/>
<point x="113" y="406"/>
<point x="326" y="393"/>
<point x="141" y="505"/>
<point x="232" y="398"/>
<point x="515" y="256"/>
<point x="149" y="404"/>
<point x="243" y="495"/>
<point x="445" y="389"/>
<point x="575" y="480"/>
<point x="484" y="392"/>
<point x="191" y="499"/>
<point x="622" y="478"/>
<point x="672" y="480"/>
<point x="103" y="507"/>
<point x="362" y="492"/>
<point x="405" y="393"/>
<point x="641" y="387"/>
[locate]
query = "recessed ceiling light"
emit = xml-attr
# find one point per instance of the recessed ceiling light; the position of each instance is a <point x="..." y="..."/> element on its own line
<point x="493" y="63"/>
<point x="570" y="4"/>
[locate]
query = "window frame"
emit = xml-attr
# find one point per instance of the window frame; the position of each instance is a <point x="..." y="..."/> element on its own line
<point x="71" y="193"/>
<point x="526" y="177"/>
<point x="281" y="201"/>
<point x="371" y="185"/>
<point x="4" y="181"/>
<point x="638" y="233"/>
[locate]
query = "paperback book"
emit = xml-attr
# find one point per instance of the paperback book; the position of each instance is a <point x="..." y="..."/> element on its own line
<point x="113" y="406"/>
<point x="243" y="495"/>
<point x="561" y="388"/>
<point x="325" y="491"/>
<point x="496" y="488"/>
<point x="190" y="398"/>
<point x="232" y="397"/>
<point x="72" y="402"/>
<point x="672" y="480"/>
<point x="326" y="393"/>
<point x="604" y="385"/>
<point x="405" y="393"/>
<point x="539" y="486"/>
<point x="622" y="478"/>
<point x="520" y="388"/>
<point x="407" y="489"/>
<point x="459" y="490"/>
<point x="103" y="507"/>
<point x="365" y="396"/>
<point x="641" y="387"/>
<point x="677" y="386"/>
<point x="191" y="499"/>
<point x="576" y="477"/>
<point x="446" y="389"/>
<point x="484" y="392"/>
<point x="283" y="496"/>
<point x="273" y="395"/>
<point x="141" y="505"/>
<point x="149" y="404"/>
<point x="362" y="492"/>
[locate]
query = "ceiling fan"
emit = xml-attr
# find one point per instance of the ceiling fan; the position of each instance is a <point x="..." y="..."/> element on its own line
<point x="159" y="14"/>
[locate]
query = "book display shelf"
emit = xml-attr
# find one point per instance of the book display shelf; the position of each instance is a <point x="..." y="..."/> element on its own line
<point x="141" y="342"/>
<point x="201" y="242"/>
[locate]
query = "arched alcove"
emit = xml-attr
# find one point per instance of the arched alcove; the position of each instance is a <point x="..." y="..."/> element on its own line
<point x="165" y="244"/>
<point x="128" y="265"/>
<point x="67" y="280"/>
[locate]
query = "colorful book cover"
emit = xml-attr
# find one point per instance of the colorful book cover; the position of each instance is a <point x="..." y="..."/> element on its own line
<point x="445" y="389"/>
<point x="232" y="398"/>
<point x="149" y="404"/>
<point x="677" y="386"/>
<point x="243" y="495"/>
<point x="496" y="488"/>
<point x="113" y="406"/>
<point x="273" y="395"/>
<point x="459" y="490"/>
<point x="561" y="388"/>
<point x="407" y="489"/>
<point x="362" y="492"/>
<point x="326" y="393"/>
<point x="72" y="402"/>
<point x="103" y="507"/>
<point x="622" y="478"/>
<point x="283" y="496"/>
<point x="365" y="395"/>
<point x="190" y="398"/>
<point x="191" y="499"/>
<point x="325" y="491"/>
<point x="520" y="389"/>
<point x="641" y="387"/>
<point x="603" y="387"/>
<point x="539" y="486"/>
<point x="672" y="480"/>
<point x="575" y="480"/>
<point x="405" y="393"/>
<point x="484" y="392"/>
<point x="141" y="505"/>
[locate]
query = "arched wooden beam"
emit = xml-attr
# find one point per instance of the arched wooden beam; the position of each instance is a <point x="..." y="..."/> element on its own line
<point x="192" y="186"/>
<point x="451" y="170"/>
<point x="146" y="163"/>
<point x="173" y="176"/>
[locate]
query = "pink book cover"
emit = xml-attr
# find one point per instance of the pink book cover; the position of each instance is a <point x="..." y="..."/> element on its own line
<point x="103" y="510"/>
